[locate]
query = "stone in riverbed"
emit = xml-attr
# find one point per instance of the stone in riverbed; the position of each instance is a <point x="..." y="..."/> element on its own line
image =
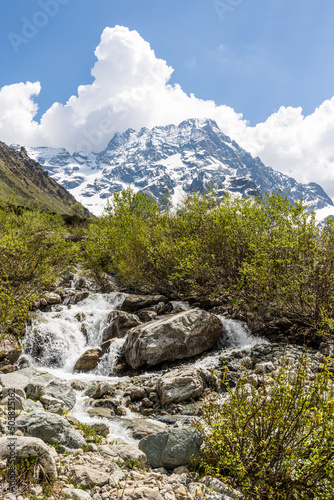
<point x="10" y="350"/>
<point x="50" y="427"/>
<point x="119" y="323"/>
<point x="172" y="337"/>
<point x="86" y="476"/>
<point x="88" y="360"/>
<point x="171" y="448"/>
<point x="179" y="385"/>
<point x="134" y="303"/>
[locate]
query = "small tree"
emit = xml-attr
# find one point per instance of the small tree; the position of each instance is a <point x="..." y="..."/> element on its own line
<point x="276" y="442"/>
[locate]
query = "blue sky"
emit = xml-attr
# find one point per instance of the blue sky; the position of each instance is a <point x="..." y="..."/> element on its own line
<point x="263" y="69"/>
<point x="263" y="55"/>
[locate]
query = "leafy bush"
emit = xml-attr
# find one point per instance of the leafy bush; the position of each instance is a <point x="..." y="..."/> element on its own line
<point x="33" y="254"/>
<point x="269" y="252"/>
<point x="275" y="442"/>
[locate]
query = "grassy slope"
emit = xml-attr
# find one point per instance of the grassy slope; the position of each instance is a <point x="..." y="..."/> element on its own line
<point x="24" y="182"/>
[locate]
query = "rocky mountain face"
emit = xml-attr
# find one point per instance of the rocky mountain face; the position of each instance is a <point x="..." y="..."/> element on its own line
<point x="24" y="182"/>
<point x="183" y="159"/>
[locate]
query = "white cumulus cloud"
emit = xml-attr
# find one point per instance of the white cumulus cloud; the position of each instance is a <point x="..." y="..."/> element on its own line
<point x="131" y="90"/>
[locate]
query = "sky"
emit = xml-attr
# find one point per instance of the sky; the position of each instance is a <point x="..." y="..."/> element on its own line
<point x="74" y="72"/>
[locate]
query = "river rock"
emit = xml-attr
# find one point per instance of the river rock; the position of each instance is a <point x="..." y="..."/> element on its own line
<point x="30" y="447"/>
<point x="37" y="383"/>
<point x="52" y="298"/>
<point x="171" y="448"/>
<point x="134" y="303"/>
<point x="86" y="476"/>
<point x="179" y="385"/>
<point x="10" y="350"/>
<point x="126" y="452"/>
<point x="50" y="427"/>
<point x="100" y="412"/>
<point x="139" y="493"/>
<point x="75" y="494"/>
<point x="99" y="389"/>
<point x="119" y="323"/>
<point x="172" y="337"/>
<point x="141" y="427"/>
<point x="88" y="360"/>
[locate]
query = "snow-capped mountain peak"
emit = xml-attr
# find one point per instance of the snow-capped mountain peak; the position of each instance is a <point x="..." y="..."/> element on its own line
<point x="182" y="158"/>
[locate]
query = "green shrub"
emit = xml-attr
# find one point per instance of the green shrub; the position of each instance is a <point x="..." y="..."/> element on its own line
<point x="89" y="432"/>
<point x="33" y="254"/>
<point x="275" y="442"/>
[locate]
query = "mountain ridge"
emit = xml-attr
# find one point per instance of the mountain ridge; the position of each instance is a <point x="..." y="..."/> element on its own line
<point x="181" y="158"/>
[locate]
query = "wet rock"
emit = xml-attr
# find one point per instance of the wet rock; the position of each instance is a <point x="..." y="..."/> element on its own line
<point x="88" y="360"/>
<point x="119" y="323"/>
<point x="179" y="385"/>
<point x="172" y="337"/>
<point x="134" y="303"/>
<point x="147" y="315"/>
<point x="49" y="427"/>
<point x="101" y="412"/>
<point x="171" y="448"/>
<point x="10" y="350"/>
<point x="30" y="447"/>
<point x="97" y="391"/>
<point x="79" y="385"/>
<point x="52" y="298"/>
<point x="100" y="427"/>
<point x="78" y="297"/>
<point x="43" y="383"/>
<point x="137" y="394"/>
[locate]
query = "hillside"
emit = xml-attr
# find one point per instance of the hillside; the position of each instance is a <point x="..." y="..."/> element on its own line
<point x="24" y="182"/>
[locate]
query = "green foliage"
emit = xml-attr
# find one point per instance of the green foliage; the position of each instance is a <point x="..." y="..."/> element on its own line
<point x="132" y="463"/>
<point x="89" y="432"/>
<point x="275" y="442"/>
<point x="269" y="252"/>
<point x="33" y="254"/>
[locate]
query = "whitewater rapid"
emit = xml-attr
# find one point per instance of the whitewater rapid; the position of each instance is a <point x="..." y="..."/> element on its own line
<point x="55" y="340"/>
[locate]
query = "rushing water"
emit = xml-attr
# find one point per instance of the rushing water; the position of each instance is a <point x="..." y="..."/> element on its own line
<point x="55" y="340"/>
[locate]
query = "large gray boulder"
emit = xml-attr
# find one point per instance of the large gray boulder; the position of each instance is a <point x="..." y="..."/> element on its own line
<point x="50" y="427"/>
<point x="118" y="324"/>
<point x="29" y="447"/>
<point x="171" y="448"/>
<point x="176" y="336"/>
<point x="36" y="383"/>
<point x="179" y="385"/>
<point x="134" y="303"/>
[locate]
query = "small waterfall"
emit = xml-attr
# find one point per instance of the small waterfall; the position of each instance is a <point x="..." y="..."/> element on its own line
<point x="58" y="338"/>
<point x="238" y="335"/>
